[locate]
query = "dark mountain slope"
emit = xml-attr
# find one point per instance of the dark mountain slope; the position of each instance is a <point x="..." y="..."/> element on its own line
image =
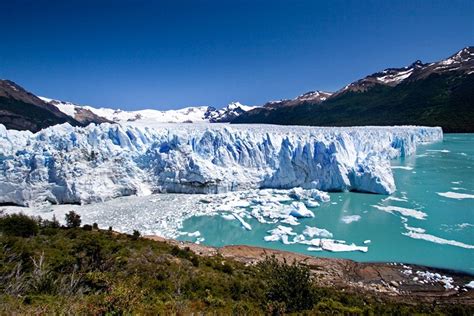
<point x="436" y="94"/>
<point x="22" y="110"/>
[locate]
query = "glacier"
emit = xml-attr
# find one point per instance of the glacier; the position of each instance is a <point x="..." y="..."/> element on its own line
<point x="63" y="164"/>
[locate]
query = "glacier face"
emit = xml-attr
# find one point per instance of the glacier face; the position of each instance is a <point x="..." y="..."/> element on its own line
<point x="65" y="164"/>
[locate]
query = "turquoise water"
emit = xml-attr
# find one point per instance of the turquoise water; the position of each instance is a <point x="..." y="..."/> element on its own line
<point x="446" y="166"/>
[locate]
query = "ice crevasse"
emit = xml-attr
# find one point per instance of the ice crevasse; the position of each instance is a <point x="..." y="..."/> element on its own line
<point x="66" y="164"/>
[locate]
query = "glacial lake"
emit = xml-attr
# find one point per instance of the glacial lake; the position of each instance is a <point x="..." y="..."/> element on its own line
<point x="445" y="167"/>
<point x="429" y="220"/>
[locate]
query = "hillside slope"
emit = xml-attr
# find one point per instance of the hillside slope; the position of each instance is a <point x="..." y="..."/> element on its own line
<point x="435" y="94"/>
<point x="22" y="110"/>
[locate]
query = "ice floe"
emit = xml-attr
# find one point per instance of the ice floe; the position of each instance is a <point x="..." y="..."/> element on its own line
<point x="317" y="232"/>
<point x="402" y="167"/>
<point x="394" y="198"/>
<point x="337" y="246"/>
<point x="350" y="218"/>
<point x="438" y="240"/>
<point x="456" y="195"/>
<point x="402" y="210"/>
<point x="283" y="234"/>
<point x="439" y="150"/>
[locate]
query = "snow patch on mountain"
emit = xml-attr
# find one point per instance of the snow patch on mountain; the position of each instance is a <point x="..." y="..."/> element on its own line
<point x="150" y="117"/>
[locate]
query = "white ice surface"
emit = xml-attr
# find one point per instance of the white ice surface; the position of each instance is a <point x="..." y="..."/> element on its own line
<point x="456" y="195"/>
<point x="438" y="240"/>
<point x="402" y="211"/>
<point x="65" y="164"/>
<point x="350" y="218"/>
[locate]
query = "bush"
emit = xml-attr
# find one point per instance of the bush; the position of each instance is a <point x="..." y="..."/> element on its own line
<point x="135" y="235"/>
<point x="287" y="285"/>
<point x="73" y="219"/>
<point x="53" y="223"/>
<point x="19" y="225"/>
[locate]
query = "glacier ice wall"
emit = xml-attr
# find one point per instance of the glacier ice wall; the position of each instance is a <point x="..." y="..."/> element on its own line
<point x="65" y="164"/>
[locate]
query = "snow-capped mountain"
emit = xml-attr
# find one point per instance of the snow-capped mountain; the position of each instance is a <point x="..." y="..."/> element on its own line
<point x="79" y="113"/>
<point x="462" y="61"/>
<point x="149" y="117"/>
<point x="20" y="109"/>
<point x="434" y="94"/>
<point x="311" y="96"/>
<point x="228" y="113"/>
<point x="66" y="164"/>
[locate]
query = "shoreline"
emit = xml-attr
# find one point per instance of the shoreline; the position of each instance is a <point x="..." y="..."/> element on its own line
<point x="381" y="279"/>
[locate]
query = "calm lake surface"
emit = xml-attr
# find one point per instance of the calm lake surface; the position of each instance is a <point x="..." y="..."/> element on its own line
<point x="447" y="231"/>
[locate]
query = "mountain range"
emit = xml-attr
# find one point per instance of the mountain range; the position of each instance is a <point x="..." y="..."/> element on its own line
<point x="432" y="94"/>
<point x="22" y="110"/>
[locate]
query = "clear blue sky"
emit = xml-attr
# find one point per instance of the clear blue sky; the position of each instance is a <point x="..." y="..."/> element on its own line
<point x="170" y="54"/>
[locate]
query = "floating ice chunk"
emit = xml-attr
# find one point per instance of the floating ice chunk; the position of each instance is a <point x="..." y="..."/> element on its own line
<point x="393" y="198"/>
<point x="290" y="220"/>
<point x="470" y="285"/>
<point x="310" y="203"/>
<point x="437" y="240"/>
<point x="456" y="195"/>
<point x="298" y="210"/>
<point x="464" y="225"/>
<point x="317" y="232"/>
<point x="228" y="217"/>
<point x="243" y="222"/>
<point x="403" y="211"/>
<point x="320" y="196"/>
<point x="280" y="233"/>
<point x="368" y="241"/>
<point x="439" y="150"/>
<point x="314" y="249"/>
<point x="195" y="234"/>
<point x="334" y="246"/>
<point x="402" y="167"/>
<point x="301" y="194"/>
<point x="414" y="229"/>
<point x="350" y="218"/>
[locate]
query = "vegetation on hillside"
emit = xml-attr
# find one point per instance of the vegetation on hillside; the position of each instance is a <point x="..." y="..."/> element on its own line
<point x="49" y="269"/>
<point x="439" y="100"/>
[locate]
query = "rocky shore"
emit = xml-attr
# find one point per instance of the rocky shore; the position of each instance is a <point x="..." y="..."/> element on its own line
<point x="394" y="281"/>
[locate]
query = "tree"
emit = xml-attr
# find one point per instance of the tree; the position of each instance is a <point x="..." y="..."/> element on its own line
<point x="287" y="284"/>
<point x="19" y="225"/>
<point x="73" y="219"/>
<point x="136" y="235"/>
<point x="53" y="223"/>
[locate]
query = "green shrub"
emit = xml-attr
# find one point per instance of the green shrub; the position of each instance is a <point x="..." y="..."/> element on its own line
<point x="73" y="219"/>
<point x="87" y="227"/>
<point x="135" y="235"/>
<point x="19" y="225"/>
<point x="288" y="284"/>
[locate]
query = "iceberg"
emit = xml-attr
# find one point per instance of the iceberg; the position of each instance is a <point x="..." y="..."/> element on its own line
<point x="63" y="164"/>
